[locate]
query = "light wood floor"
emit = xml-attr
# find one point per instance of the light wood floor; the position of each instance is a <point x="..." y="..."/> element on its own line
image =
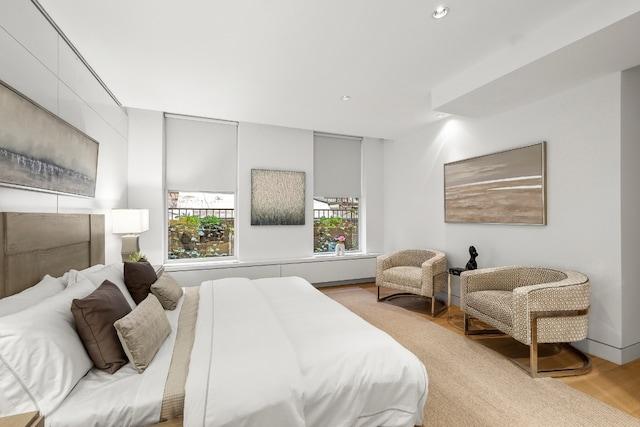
<point x="618" y="386"/>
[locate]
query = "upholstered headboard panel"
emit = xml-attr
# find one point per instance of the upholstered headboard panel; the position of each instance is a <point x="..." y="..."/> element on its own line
<point x="35" y="244"/>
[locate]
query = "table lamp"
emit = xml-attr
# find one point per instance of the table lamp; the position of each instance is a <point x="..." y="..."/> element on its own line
<point x="130" y="222"/>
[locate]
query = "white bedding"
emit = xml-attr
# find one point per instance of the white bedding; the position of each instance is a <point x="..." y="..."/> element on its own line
<point x="286" y="355"/>
<point x="267" y="352"/>
<point x="125" y="398"/>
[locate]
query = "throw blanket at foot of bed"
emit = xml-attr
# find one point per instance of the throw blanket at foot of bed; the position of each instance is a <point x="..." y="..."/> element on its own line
<point x="173" y="397"/>
<point x="277" y="352"/>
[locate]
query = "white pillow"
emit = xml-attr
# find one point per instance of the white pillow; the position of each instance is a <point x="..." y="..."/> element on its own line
<point x="47" y="287"/>
<point x="71" y="276"/>
<point x="113" y="273"/>
<point x="41" y="355"/>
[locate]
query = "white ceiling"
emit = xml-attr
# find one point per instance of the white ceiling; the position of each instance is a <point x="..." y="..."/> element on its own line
<point x="289" y="62"/>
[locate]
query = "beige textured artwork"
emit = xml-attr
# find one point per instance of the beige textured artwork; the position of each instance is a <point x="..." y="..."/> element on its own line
<point x="277" y="197"/>
<point x="40" y="151"/>
<point x="501" y="188"/>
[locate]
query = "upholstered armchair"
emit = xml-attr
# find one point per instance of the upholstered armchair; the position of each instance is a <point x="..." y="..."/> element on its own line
<point x="532" y="304"/>
<point x="413" y="271"/>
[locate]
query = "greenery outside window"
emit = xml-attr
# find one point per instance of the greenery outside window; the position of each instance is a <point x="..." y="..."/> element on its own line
<point x="334" y="217"/>
<point x="200" y="225"/>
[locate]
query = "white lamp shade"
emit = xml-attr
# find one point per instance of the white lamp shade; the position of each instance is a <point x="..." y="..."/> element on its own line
<point x="129" y="221"/>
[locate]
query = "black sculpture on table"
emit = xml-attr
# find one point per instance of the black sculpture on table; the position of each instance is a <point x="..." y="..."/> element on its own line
<point x="472" y="265"/>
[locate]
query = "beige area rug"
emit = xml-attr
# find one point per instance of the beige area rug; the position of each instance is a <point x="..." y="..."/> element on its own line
<point x="473" y="386"/>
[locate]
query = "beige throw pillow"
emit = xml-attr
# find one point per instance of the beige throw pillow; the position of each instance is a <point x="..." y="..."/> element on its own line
<point x="167" y="290"/>
<point x="143" y="331"/>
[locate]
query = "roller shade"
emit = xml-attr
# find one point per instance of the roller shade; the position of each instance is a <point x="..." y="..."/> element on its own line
<point x="201" y="154"/>
<point x="336" y="165"/>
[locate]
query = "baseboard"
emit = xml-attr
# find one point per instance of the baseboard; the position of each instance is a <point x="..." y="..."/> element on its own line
<point x="631" y="353"/>
<point x="345" y="282"/>
<point x="616" y="355"/>
<point x="455" y="300"/>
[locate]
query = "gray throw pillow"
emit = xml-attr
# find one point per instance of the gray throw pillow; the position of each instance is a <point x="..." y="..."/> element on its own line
<point x="167" y="290"/>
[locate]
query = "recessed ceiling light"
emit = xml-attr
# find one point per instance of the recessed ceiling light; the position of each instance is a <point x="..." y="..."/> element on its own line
<point x="442" y="115"/>
<point x="440" y="12"/>
<point x="345" y="97"/>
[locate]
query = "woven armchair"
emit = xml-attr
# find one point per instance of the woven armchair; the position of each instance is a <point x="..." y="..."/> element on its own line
<point x="413" y="271"/>
<point x="532" y="304"/>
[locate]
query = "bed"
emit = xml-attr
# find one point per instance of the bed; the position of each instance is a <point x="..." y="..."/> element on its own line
<point x="265" y="352"/>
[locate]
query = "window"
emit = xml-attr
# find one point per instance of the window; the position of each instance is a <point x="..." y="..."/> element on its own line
<point x="201" y="225"/>
<point x="334" y="217"/>
<point x="336" y="180"/>
<point x="201" y="158"/>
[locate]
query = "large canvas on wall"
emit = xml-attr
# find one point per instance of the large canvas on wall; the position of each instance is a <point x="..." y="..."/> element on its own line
<point x="500" y="188"/>
<point x="277" y="197"/>
<point x="40" y="151"/>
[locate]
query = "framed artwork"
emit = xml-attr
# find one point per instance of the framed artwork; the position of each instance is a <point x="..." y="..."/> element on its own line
<point x="40" y="151"/>
<point x="508" y="187"/>
<point x="277" y="197"/>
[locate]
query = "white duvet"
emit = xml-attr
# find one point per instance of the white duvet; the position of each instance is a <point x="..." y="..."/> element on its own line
<point x="284" y="354"/>
<point x="268" y="352"/>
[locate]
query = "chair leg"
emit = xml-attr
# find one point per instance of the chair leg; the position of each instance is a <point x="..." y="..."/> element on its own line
<point x="533" y="367"/>
<point x="535" y="371"/>
<point x="468" y="331"/>
<point x="434" y="313"/>
<point x="533" y="354"/>
<point x="465" y="324"/>
<point x="396" y="295"/>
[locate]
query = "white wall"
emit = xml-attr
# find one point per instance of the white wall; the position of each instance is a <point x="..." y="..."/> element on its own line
<point x="630" y="213"/>
<point x="261" y="250"/>
<point x="582" y="130"/>
<point x="273" y="147"/>
<point x="372" y="200"/>
<point x="146" y="178"/>
<point x="35" y="61"/>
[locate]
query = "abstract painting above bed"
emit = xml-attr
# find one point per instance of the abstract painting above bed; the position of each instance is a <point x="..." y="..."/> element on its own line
<point x="35" y="147"/>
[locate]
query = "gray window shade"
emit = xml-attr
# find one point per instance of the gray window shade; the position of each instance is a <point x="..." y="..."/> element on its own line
<point x="201" y="154"/>
<point x="336" y="166"/>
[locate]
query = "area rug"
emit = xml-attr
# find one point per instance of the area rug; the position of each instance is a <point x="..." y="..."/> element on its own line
<point x="471" y="385"/>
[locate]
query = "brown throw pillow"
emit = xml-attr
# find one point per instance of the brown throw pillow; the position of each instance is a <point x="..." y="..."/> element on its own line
<point x="139" y="276"/>
<point x="94" y="316"/>
<point x="167" y="290"/>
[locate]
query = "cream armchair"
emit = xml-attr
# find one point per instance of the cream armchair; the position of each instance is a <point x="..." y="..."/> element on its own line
<point x="532" y="304"/>
<point x="415" y="272"/>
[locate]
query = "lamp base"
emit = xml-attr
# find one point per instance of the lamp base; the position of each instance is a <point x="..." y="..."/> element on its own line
<point x="130" y="245"/>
